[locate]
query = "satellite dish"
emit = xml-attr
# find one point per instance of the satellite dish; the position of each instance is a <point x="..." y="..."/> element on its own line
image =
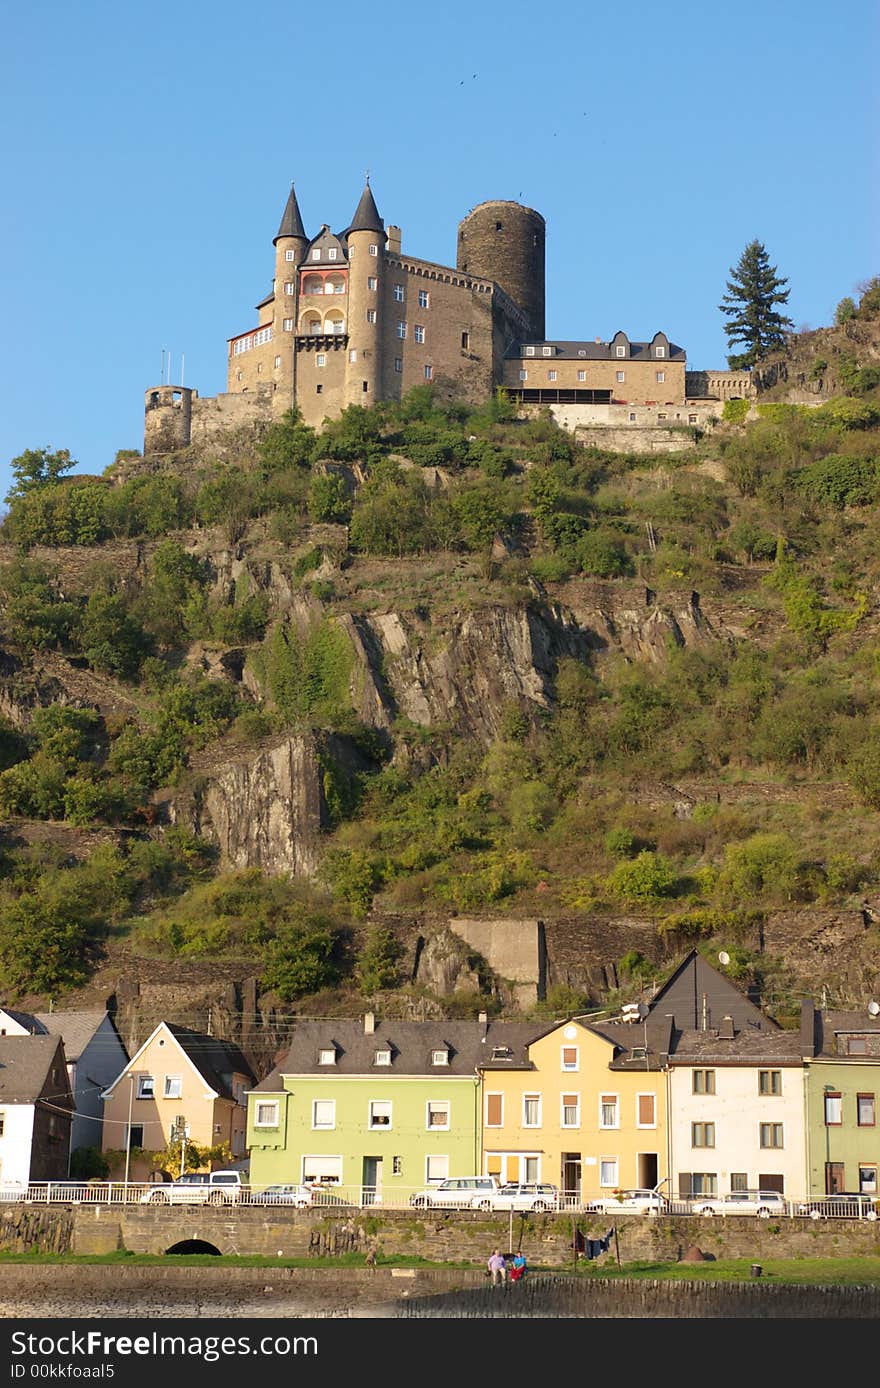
<point x="873" y="1008"/>
<point x="724" y="958"/>
<point x="643" y="1010"/>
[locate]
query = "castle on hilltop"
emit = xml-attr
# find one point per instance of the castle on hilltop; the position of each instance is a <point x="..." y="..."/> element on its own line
<point x="351" y="319"/>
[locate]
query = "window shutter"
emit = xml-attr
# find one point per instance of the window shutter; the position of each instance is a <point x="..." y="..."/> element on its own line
<point x="646" y="1109"/>
<point x="493" y="1110"/>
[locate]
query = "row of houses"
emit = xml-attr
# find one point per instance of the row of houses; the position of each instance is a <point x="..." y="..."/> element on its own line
<point x="697" y="1091"/>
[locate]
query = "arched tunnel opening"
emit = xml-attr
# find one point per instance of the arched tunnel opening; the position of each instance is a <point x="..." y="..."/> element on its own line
<point x="194" y="1246"/>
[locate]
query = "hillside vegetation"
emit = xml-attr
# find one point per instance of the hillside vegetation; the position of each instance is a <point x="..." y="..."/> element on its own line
<point x="174" y="612"/>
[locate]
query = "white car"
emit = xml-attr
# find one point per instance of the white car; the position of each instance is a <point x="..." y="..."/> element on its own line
<point x="520" y="1196"/>
<point x="457" y="1193"/>
<point x="197" y="1188"/>
<point x="648" y="1202"/>
<point x="762" y="1203"/>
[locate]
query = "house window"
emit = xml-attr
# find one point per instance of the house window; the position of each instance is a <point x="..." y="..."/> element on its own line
<point x="266" y="1114"/>
<point x="739" y="1182"/>
<point x="646" y="1111"/>
<point x="569" y="1057"/>
<point x="398" y="364"/>
<point x="607" y="1171"/>
<point x="865" y="1110"/>
<point x="571" y="1110"/>
<point x="398" y="293"/>
<point x="771" y="1134"/>
<point x="582" y="375"/>
<point x="531" y="1111"/>
<point x="146" y="1087"/>
<point x="320" y="359"/>
<point x="867" y="1179"/>
<point x="702" y="1134"/>
<point x="440" y="1057"/>
<point x="524" y="375"/>
<point x="436" y="1170"/>
<point x="287" y="325"/>
<point x="659" y="377"/>
<point x="833" y="1114"/>
<point x="290" y="287"/>
<point x="324" y="1113"/>
<point x="424" y="299"/>
<point x="608" y="1111"/>
<point x="692" y="419"/>
<point x="383" y="1057"/>
<point x="380" y="1113"/>
<point x="173" y="1086"/>
<point x="372" y="282"/>
<point x="328" y="1056"/>
<point x="704" y="1082"/>
<point x="401" y="330"/>
<point x="374" y="250"/>
<point x="135" y="1135"/>
<point x="429" y="373"/>
<point x="331" y="254"/>
<point x="551" y="375"/>
<point x="371" y="315"/>
<point x="547" y="351"/>
<point x="621" y="375"/>
<point x="621" y="351"/>
<point x="316" y="255"/>
<point x="530" y="351"/>
<point x="438" y="1113"/>
<point x="857" y="1045"/>
<point x="419" y="332"/>
<point x="397" y="1166"/>
<point x="702" y="1182"/>
<point x="494" y="1110"/>
<point x="288" y="255"/>
<point x="769" y="1081"/>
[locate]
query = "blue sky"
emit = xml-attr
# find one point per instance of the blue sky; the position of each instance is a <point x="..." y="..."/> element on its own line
<point x="153" y="147"/>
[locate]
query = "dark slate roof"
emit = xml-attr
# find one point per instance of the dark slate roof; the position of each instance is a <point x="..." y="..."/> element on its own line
<point x="367" y="218"/>
<point x="324" y="240"/>
<point x="76" y="1029"/>
<point x="594" y="351"/>
<point x="827" y="1026"/>
<point x="291" y="222"/>
<point x="471" y="1044"/>
<point x="269" y="298"/>
<point x="699" y="996"/>
<point x="27" y="1020"/>
<point x="642" y="1045"/>
<point x="215" y="1060"/>
<point x="746" y="1048"/>
<point x="25" y="1062"/>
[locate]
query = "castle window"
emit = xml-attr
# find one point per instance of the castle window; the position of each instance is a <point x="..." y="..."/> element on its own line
<point x="632" y="419"/>
<point x="424" y="299"/>
<point x="288" y="255"/>
<point x="465" y="341"/>
<point x="398" y="364"/>
<point x="524" y="375"/>
<point x="277" y="361"/>
<point x="352" y="356"/>
<point x="621" y="351"/>
<point x="316" y="255"/>
<point x="497" y="226"/>
<point x="331" y="254"/>
<point x="429" y="373"/>
<point x="582" y="375"/>
<point x="547" y="351"/>
<point x="372" y="282"/>
<point x="401" y="330"/>
<point x="374" y="250"/>
<point x="365" y="386"/>
<point x="239" y="375"/>
<point x="419" y="332"/>
<point x="621" y="375"/>
<point x="551" y="375"/>
<point x="318" y="389"/>
<point x="692" y="419"/>
<point x="288" y="325"/>
<point x="351" y="252"/>
<point x="660" y="351"/>
<point x="661" y="377"/>
<point x="320" y="359"/>
<point x="398" y="293"/>
<point x="661" y="416"/>
<point x="371" y="315"/>
<point x="530" y="351"/>
<point x="289" y="287"/>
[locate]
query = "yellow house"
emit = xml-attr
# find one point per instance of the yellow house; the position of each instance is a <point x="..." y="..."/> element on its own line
<point x="586" y="1111"/>
<point x="178" y="1077"/>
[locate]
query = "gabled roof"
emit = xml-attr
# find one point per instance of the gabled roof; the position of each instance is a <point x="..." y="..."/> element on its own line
<point x="28" y="1020"/>
<point x="214" y="1059"/>
<point x="291" y="221"/>
<point x="366" y="217"/>
<point x="826" y="1027"/>
<point x="76" y="1029"/>
<point x="324" y="241"/>
<point x="25" y="1064"/>
<point x="598" y="351"/>
<point x="699" y="997"/>
<point x="470" y="1044"/>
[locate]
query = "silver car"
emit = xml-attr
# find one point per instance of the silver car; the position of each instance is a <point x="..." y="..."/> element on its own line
<point x="457" y="1193"/>
<point x="762" y="1203"/>
<point x="521" y="1196"/>
<point x="635" y="1201"/>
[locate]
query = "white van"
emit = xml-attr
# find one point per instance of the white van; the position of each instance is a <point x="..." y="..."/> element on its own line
<point x="458" y="1192"/>
<point x="197" y="1188"/>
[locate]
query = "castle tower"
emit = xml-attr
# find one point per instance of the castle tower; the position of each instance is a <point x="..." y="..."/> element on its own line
<point x="290" y="245"/>
<point x="366" y="239"/>
<point x="167" y="418"/>
<point x="504" y="242"/>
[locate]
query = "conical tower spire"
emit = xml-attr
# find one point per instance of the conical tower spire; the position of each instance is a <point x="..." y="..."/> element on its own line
<point x="367" y="218"/>
<point x="291" y="222"/>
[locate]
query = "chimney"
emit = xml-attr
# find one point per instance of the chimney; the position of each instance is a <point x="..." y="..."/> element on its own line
<point x="726" y="1031"/>
<point x="395" y="236"/>
<point x="704" y="1014"/>
<point x="369" y="1023"/>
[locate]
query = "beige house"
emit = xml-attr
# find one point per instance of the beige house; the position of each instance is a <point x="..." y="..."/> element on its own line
<point x="177" y="1077"/>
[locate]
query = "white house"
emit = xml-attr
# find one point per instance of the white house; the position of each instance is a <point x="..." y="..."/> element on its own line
<point x="36" y="1108"/>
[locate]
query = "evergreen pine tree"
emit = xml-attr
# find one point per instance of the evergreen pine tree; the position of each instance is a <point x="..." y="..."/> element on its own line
<point x="750" y="306"/>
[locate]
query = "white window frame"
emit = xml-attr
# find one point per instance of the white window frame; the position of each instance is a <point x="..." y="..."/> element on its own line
<point x="833" y="1110"/>
<point x="440" y="1056"/>
<point x="290" y="287"/>
<point x="609" y="1178"/>
<point x="424" y="299"/>
<point x="620" y="351"/>
<point x="331" y="253"/>
<point x="530" y="351"/>
<point x="266" y="1113"/>
<point x="577" y="1112"/>
<point x="547" y="351"/>
<point x="419" y="332"/>
<point x="401" y="329"/>
<point x="173" y="1086"/>
<point x="146" y="1087"/>
<point x="660" y="377"/>
<point x="620" y="377"/>
<point x="660" y="351"/>
<point x="429" y="373"/>
<point x="532" y="1098"/>
<point x="398" y="365"/>
<point x="316" y="253"/>
<point x="493" y="1094"/>
<point x="320" y="359"/>
<point x="399" y="293"/>
<point x="373" y="1115"/>
<point x="372" y="282"/>
<point x="616" y="1100"/>
<point x="382" y="1056"/>
<point x="552" y="375"/>
<point x="352" y="355"/>
<point x="437" y="1106"/>
<point x="287" y="325"/>
<point x="277" y="363"/>
<point x="374" y="250"/>
<point x="288" y="255"/>
<point x="371" y="315"/>
<point x="569" y="1069"/>
<point x="582" y="375"/>
<point x="434" y="1163"/>
<point x="646" y="1094"/>
<point x="327" y="1055"/>
<point x="323" y="1125"/>
<point x="523" y="375"/>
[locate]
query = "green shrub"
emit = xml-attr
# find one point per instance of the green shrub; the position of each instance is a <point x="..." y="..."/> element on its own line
<point x="649" y="877"/>
<point x="735" y="411"/>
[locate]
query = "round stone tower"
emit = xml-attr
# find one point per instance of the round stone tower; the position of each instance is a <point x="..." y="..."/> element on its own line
<point x="504" y="242"/>
<point x="167" y="418"/>
<point x="290" y="245"/>
<point x="366" y="266"/>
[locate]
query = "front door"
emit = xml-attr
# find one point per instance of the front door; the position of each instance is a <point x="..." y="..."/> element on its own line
<point x="571" y="1177"/>
<point x="372" y="1180"/>
<point x="834" y="1177"/>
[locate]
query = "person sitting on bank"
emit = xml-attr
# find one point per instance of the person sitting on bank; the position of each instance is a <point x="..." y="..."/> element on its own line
<point x="518" y="1267"/>
<point x="497" y="1267"/>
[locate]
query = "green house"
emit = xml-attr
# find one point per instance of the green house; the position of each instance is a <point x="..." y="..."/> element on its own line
<point x="379" y="1111"/>
<point x="843" y="1086"/>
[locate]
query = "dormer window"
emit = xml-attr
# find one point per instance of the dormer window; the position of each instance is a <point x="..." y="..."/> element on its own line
<point x="530" y="351"/>
<point x="331" y="254"/>
<point x="327" y="1056"/>
<point x="440" y="1057"/>
<point x="383" y="1056"/>
<point x="501" y="1053"/>
<point x="316" y="254"/>
<point x="547" y="351"/>
<point x="621" y="351"/>
<point x="660" y="351"/>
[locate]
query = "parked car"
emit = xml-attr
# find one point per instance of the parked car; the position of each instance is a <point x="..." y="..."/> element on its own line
<point x="762" y="1203"/>
<point x="843" y="1205"/>
<point x="458" y="1192"/>
<point x="647" y="1202"/>
<point x="300" y="1196"/>
<point x="520" y="1196"/>
<point x="197" y="1188"/>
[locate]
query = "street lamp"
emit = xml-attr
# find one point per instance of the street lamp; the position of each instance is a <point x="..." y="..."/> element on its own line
<point x="128" y="1130"/>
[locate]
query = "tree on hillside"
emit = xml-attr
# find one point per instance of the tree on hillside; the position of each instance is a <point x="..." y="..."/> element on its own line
<point x="38" y="467"/>
<point x="750" y="305"/>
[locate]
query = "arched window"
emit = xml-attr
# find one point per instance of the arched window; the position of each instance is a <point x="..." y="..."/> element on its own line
<point x="334" y="323"/>
<point x="310" y="322"/>
<point x="334" y="284"/>
<point x="313" y="284"/>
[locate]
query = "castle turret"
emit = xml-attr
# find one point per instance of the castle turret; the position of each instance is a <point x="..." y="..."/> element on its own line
<point x="504" y="242"/>
<point x="290" y="250"/>
<point x="365" y="240"/>
<point x="167" y="418"/>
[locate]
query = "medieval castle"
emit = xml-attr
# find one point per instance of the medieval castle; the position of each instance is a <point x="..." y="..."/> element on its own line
<point x="351" y="319"/>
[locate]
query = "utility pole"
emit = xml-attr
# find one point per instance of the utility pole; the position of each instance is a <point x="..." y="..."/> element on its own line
<point x="128" y="1130"/>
